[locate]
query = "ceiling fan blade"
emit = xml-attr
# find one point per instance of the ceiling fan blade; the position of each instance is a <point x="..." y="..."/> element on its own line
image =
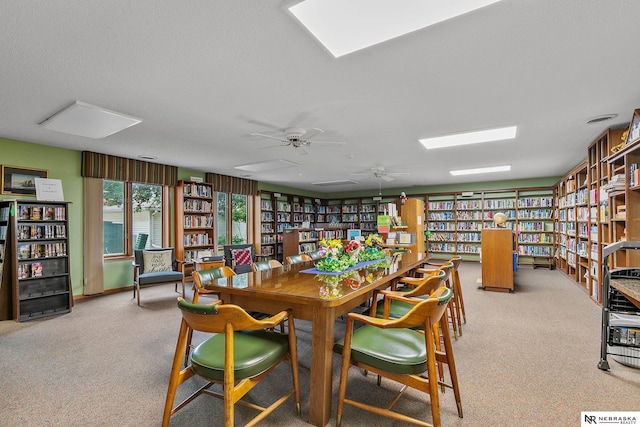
<point x="273" y="146"/>
<point x="311" y="133"/>
<point x="278" y="138"/>
<point x="386" y="178"/>
<point x="398" y="173"/>
<point x="327" y="142"/>
<point x="265" y="124"/>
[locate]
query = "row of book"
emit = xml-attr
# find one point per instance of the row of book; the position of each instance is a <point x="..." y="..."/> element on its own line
<point x="4" y="213"/>
<point x="29" y="270"/>
<point x="57" y="231"/>
<point x="38" y="213"/>
<point x="37" y="250"/>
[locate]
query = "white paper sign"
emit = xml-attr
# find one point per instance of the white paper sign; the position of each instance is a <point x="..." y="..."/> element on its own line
<point x="49" y="190"/>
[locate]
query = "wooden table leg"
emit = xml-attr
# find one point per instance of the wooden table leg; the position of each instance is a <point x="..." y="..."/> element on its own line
<point x="322" y="337"/>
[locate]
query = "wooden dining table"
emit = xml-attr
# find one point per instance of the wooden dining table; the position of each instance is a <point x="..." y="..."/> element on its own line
<point x="318" y="298"/>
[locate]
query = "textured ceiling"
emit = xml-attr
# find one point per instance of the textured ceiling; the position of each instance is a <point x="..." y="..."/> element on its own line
<point x="204" y="75"/>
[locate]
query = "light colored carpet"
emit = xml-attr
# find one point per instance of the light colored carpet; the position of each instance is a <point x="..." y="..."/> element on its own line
<point x="526" y="358"/>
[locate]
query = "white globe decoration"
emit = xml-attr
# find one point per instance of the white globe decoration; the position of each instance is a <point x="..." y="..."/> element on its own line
<point x="500" y="219"/>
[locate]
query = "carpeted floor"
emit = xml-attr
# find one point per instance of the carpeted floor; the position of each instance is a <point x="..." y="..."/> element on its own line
<point x="526" y="358"/>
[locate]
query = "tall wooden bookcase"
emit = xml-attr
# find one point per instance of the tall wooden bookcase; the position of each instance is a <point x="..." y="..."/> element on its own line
<point x="194" y="225"/>
<point x="598" y="203"/>
<point x="36" y="278"/>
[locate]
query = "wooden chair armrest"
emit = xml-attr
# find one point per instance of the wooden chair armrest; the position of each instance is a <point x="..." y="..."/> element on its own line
<point x="426" y="270"/>
<point x="410" y="280"/>
<point x="183" y="264"/>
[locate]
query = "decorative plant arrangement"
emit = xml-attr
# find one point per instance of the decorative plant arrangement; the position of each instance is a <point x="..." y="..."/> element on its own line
<point x="339" y="257"/>
<point x="372" y="248"/>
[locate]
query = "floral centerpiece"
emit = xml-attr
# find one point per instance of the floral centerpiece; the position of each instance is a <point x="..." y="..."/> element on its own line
<point x="337" y="256"/>
<point x="372" y="248"/>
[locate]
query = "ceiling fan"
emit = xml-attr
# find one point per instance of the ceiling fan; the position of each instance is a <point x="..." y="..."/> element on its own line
<point x="297" y="138"/>
<point x="381" y="174"/>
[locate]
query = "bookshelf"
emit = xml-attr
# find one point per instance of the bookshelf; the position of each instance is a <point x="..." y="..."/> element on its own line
<point x="268" y="235"/>
<point x="36" y="277"/>
<point x="456" y="221"/>
<point x="598" y="203"/>
<point x="6" y="265"/>
<point x="194" y="224"/>
<point x="535" y="227"/>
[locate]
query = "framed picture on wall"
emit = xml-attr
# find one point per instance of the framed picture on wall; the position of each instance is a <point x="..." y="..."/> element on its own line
<point x="20" y="181"/>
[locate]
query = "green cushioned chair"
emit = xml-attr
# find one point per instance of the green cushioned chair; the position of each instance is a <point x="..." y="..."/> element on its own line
<point x="452" y="313"/>
<point x="238" y="355"/>
<point x="395" y="308"/>
<point x="261" y="265"/>
<point x="392" y="349"/>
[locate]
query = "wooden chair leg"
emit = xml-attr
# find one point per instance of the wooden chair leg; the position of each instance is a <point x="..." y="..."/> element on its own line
<point x="448" y="347"/>
<point x="459" y="297"/>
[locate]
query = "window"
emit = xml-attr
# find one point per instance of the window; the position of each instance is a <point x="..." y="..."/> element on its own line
<point x="132" y="217"/>
<point x="231" y="227"/>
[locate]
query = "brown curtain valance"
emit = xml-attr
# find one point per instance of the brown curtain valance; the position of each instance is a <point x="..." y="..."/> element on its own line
<point x="96" y="165"/>
<point x="231" y="184"/>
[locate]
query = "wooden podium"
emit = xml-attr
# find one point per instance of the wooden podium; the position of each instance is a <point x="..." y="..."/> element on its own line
<point x="497" y="259"/>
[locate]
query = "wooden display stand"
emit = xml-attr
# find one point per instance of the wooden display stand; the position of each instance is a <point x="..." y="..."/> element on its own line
<point x="35" y="280"/>
<point x="497" y="259"/>
<point x="412" y="214"/>
<point x="298" y="240"/>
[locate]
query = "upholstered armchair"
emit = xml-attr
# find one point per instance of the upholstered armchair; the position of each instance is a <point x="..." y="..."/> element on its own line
<point x="240" y="257"/>
<point x="156" y="267"/>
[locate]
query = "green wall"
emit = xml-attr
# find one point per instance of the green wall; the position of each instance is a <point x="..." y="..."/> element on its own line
<point x="65" y="165"/>
<point x="61" y="164"/>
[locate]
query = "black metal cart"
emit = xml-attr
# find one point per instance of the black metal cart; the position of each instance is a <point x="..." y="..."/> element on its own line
<point x="615" y="302"/>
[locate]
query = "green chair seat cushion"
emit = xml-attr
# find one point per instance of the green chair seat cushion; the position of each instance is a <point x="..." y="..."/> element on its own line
<point x="401" y="351"/>
<point x="159" y="277"/>
<point x="254" y="353"/>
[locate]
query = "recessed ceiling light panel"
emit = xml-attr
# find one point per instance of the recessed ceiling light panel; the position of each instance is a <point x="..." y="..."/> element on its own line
<point x="89" y="121"/>
<point x="489" y="135"/>
<point x="345" y="26"/>
<point x="481" y="170"/>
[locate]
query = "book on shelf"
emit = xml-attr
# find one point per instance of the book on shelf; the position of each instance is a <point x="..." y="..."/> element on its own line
<point x="36" y="213"/>
<point x="24" y="251"/>
<point x="4" y="213"/>
<point x="36" y="269"/>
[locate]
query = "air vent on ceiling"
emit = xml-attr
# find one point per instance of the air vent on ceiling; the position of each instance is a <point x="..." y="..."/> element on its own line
<point x="329" y="183"/>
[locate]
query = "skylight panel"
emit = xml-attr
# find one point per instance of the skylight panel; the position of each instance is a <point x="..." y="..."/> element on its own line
<point x="480" y="170"/>
<point x="345" y="26"/>
<point x="489" y="135"/>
